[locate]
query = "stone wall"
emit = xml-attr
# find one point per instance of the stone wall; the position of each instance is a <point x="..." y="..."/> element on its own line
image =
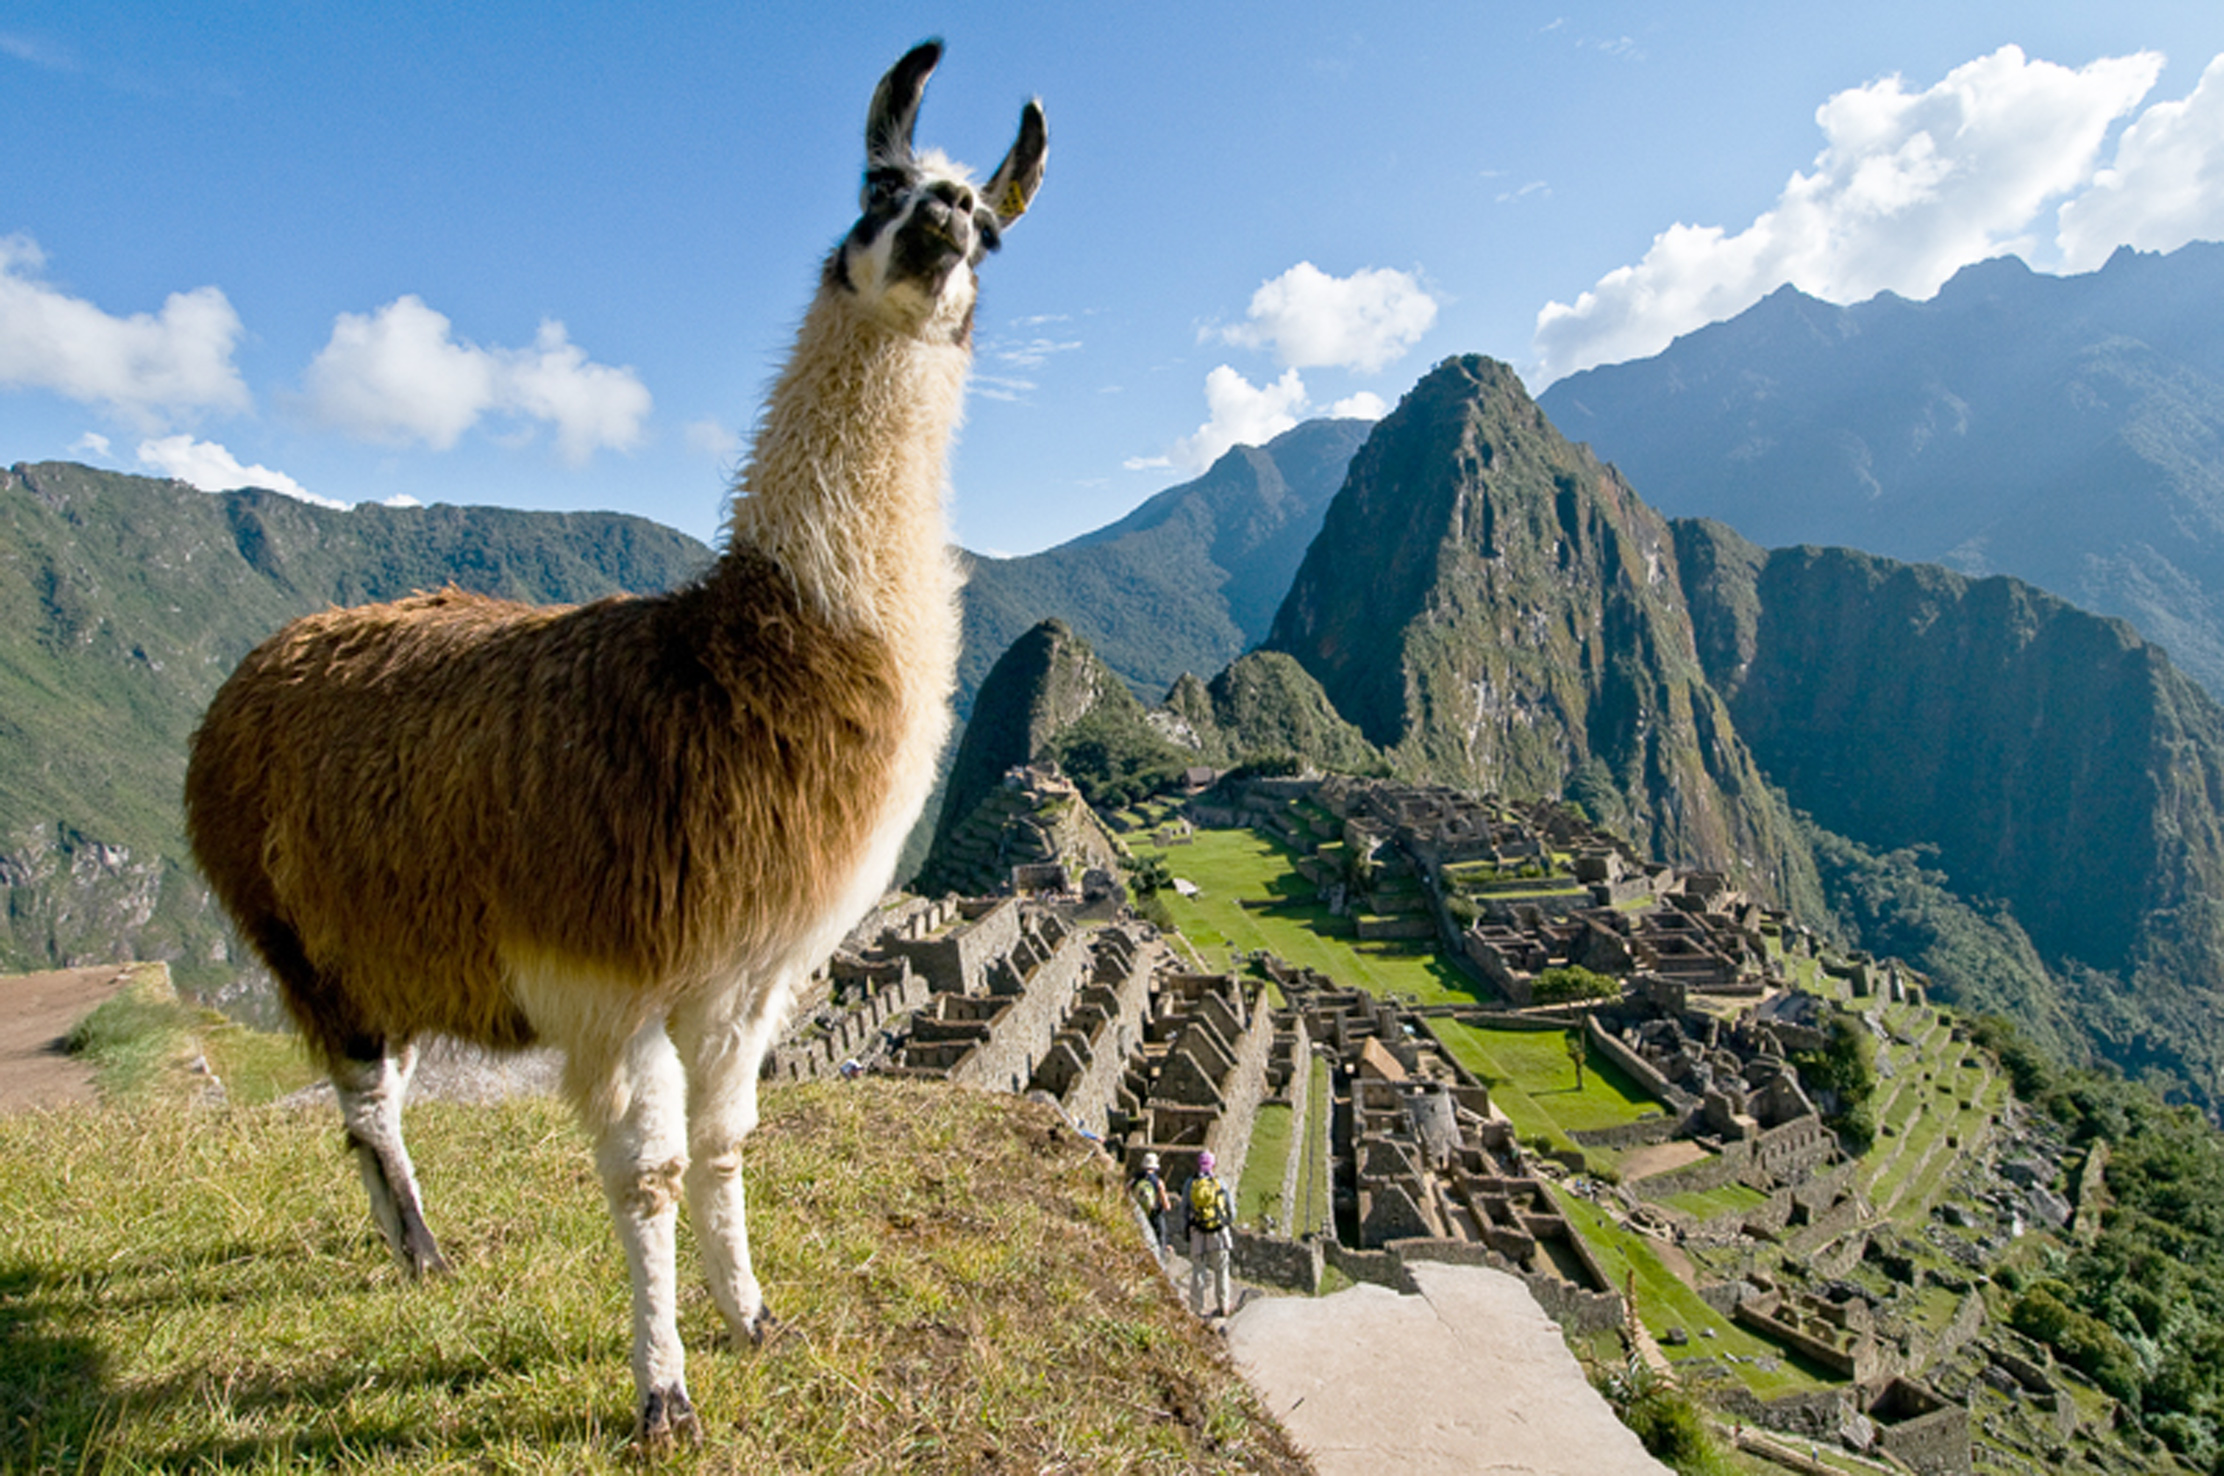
<point x="815" y="1051"/>
<point x="956" y="961"/>
<point x="1921" y="1429"/>
<point x="1036" y="995"/>
<point x="1272" y="1260"/>
<point x="1088" y="1057"/>
<point x="1639" y="1069"/>
<point x="1208" y="1089"/>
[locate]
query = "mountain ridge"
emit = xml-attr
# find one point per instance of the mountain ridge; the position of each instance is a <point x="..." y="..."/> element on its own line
<point x="2067" y="430"/>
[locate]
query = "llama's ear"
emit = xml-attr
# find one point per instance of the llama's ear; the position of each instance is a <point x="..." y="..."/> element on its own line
<point x="896" y="105"/>
<point x="1013" y="186"/>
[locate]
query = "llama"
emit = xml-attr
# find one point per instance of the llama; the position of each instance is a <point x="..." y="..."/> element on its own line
<point x="630" y="828"/>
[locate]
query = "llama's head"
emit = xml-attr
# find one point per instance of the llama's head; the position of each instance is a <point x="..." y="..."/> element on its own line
<point x="910" y="259"/>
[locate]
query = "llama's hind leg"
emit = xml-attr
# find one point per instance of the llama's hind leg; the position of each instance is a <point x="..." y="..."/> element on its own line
<point x="723" y="1057"/>
<point x="633" y="1103"/>
<point x="371" y="1093"/>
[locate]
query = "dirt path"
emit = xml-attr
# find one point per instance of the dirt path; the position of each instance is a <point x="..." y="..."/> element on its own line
<point x="36" y="1011"/>
<point x="1659" y="1158"/>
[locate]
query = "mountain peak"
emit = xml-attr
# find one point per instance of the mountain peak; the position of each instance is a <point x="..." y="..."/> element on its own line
<point x="1496" y="608"/>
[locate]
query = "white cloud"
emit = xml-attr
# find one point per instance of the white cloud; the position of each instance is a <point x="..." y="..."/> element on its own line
<point x="38" y="53"/>
<point x="1366" y="405"/>
<point x="148" y="367"/>
<point x="1909" y="188"/>
<point x="1032" y="354"/>
<point x="2166" y="186"/>
<point x="210" y="467"/>
<point x="1311" y="319"/>
<point x="401" y="499"/>
<point x="399" y="375"/>
<point x="1008" y="388"/>
<point x="92" y="443"/>
<point x="710" y="436"/>
<point x="1241" y="414"/>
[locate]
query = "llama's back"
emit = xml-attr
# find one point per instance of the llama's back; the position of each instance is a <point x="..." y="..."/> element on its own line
<point x="398" y="802"/>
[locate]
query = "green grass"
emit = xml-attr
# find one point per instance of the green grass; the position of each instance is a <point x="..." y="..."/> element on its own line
<point x="1532" y="1080"/>
<point x="961" y="1284"/>
<point x="1663" y="1301"/>
<point x="1728" y="1199"/>
<point x="1260" y="1192"/>
<point x="1314" y="1209"/>
<point x="138" y="1042"/>
<point x="1230" y="866"/>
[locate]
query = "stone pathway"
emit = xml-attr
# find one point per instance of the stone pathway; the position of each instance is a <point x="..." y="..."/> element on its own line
<point x="1468" y="1376"/>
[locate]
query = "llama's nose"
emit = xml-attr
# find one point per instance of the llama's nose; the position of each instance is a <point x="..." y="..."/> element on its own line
<point x="936" y="217"/>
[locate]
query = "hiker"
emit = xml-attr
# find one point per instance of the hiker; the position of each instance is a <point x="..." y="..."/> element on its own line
<point x="1211" y="1235"/>
<point x="1151" y="1198"/>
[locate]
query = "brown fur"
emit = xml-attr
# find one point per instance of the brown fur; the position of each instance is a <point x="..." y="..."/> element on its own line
<point x="411" y="788"/>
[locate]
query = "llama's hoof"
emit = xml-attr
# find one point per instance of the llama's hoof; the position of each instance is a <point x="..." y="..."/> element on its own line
<point x="426" y="1261"/>
<point x="762" y="1326"/>
<point x="667" y="1422"/>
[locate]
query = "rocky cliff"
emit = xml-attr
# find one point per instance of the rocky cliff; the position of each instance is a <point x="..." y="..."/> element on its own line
<point x="2066" y="430"/>
<point x="2046" y="757"/>
<point x="1186" y="582"/>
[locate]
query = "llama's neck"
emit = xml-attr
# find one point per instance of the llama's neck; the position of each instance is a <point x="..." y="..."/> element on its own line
<point x="844" y="482"/>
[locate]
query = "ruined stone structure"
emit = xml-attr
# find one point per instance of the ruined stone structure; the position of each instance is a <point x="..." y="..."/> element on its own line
<point x="1201" y="1075"/>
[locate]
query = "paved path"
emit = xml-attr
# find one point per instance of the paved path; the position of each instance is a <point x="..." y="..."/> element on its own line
<point x="36" y="1011"/>
<point x="1469" y="1376"/>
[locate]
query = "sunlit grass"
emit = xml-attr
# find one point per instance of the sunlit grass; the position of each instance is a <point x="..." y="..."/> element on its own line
<point x="961" y="1284"/>
<point x="1532" y="1080"/>
<point x="1232" y="867"/>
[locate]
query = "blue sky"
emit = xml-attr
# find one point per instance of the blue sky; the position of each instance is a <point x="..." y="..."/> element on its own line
<point x="548" y="256"/>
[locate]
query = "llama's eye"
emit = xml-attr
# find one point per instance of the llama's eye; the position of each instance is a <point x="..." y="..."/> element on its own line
<point x="883" y="187"/>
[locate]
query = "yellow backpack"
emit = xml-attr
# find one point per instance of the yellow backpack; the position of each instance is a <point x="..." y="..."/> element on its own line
<point x="1208" y="1204"/>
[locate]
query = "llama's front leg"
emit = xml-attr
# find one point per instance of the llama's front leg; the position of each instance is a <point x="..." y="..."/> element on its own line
<point x="723" y="1058"/>
<point x="636" y="1116"/>
<point x="371" y="1093"/>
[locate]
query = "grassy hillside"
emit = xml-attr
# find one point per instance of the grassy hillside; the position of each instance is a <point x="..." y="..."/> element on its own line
<point x="962" y="1284"/>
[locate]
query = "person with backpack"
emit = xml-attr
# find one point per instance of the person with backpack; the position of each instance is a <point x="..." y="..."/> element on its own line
<point x="1211" y="1235"/>
<point x="1155" y="1203"/>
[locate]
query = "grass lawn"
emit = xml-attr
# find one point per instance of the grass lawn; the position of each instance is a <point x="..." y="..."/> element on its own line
<point x="1230" y="867"/>
<point x="1707" y="1203"/>
<point x="1532" y="1081"/>
<point x="1313" y="1210"/>
<point x="1260" y="1192"/>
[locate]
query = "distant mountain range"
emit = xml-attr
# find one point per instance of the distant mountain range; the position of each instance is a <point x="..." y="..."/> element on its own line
<point x="1186" y="582"/>
<point x="2066" y="430"/>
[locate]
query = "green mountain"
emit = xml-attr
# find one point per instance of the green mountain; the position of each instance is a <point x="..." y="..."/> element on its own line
<point x="1048" y="699"/>
<point x="1264" y="703"/>
<point x="2066" y="430"/>
<point x="2043" y="756"/>
<point x="1497" y="610"/>
<point x="125" y="600"/>
<point x="1186" y="582"/>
